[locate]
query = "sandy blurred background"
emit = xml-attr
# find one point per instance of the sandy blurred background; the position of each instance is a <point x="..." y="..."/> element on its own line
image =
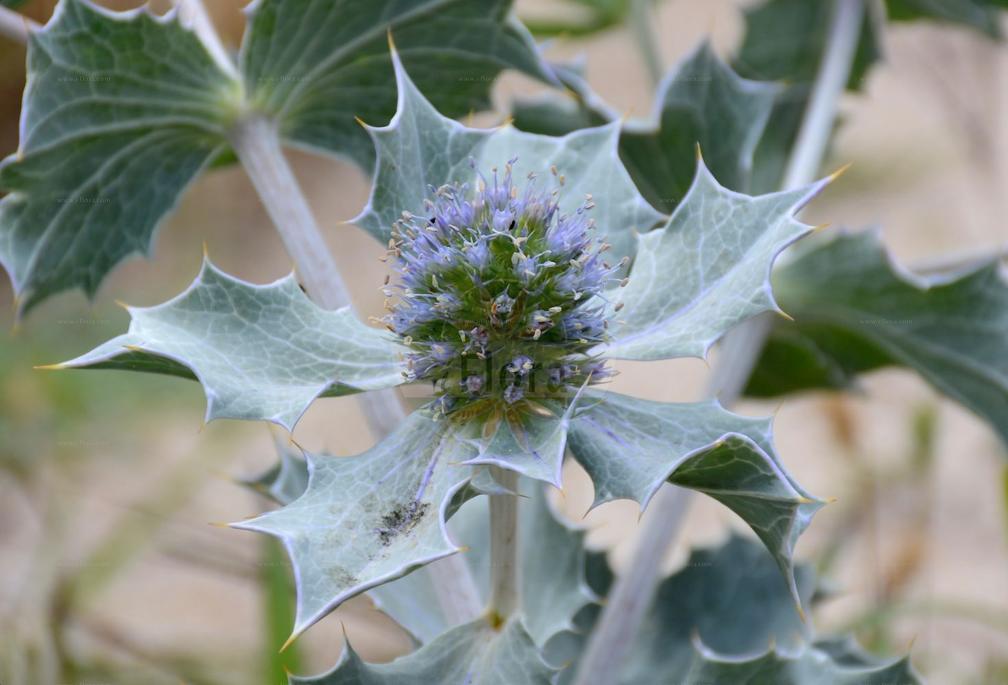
<point x="112" y="573"/>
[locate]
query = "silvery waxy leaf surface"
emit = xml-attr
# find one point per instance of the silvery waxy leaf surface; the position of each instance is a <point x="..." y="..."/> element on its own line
<point x="855" y="310"/>
<point x="470" y="654"/>
<point x="371" y="518"/>
<point x="724" y="617"/>
<point x="705" y="271"/>
<point x="121" y="112"/>
<point x="261" y="352"/>
<point x="702" y="102"/>
<point x="630" y="447"/>
<point x="421" y="149"/>
<point x="552" y="561"/>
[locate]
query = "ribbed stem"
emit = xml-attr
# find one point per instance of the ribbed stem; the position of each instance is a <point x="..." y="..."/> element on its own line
<point x="504" y="570"/>
<point x="634" y="589"/>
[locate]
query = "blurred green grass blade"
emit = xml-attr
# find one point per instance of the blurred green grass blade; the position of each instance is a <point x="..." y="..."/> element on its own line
<point x="278" y="613"/>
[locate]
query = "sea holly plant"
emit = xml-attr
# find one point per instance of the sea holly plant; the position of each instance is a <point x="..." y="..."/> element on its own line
<point x="523" y="266"/>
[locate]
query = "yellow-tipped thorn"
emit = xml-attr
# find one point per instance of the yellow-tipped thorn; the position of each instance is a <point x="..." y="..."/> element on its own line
<point x="134" y="348"/>
<point x="206" y="251"/>
<point x="464" y="548"/>
<point x="806" y="500"/>
<point x="699" y="152"/>
<point x="219" y="524"/>
<point x="391" y="41"/>
<point x="821" y="227"/>
<point x="839" y="172"/>
<point x="290" y="641"/>
<point x="772" y="643"/>
<point x="801" y="613"/>
<point x="50" y="367"/>
<point x="361" y="122"/>
<point x="781" y="312"/>
<point x="120" y="303"/>
<point x="831" y="500"/>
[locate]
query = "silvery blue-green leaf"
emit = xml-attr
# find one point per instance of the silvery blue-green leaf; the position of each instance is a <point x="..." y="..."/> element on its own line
<point x="807" y="667"/>
<point x="705" y="271"/>
<point x="553" y="561"/>
<point x="261" y="352"/>
<point x="630" y="447"/>
<point x="421" y="148"/>
<point x="371" y="518"/>
<point x="121" y="112"/>
<point x="724" y="617"/>
<point x="286" y="480"/>
<point x="701" y="102"/>
<point x="471" y="654"/>
<point x="527" y="443"/>
<point x="315" y="65"/>
<point x="855" y="311"/>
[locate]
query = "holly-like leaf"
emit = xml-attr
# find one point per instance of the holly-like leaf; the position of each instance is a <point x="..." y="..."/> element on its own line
<point x="261" y="352"/>
<point x="471" y="654"/>
<point x="369" y="519"/>
<point x="700" y="103"/>
<point x="552" y="561"/>
<point x="121" y="112"/>
<point x="856" y="311"/>
<point x="315" y="65"/>
<point x="421" y="149"/>
<point x="724" y="617"/>
<point x="527" y="443"/>
<point x="630" y="447"/>
<point x="705" y="271"/>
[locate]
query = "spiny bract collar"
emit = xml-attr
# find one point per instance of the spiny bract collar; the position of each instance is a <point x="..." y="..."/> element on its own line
<point x="497" y="294"/>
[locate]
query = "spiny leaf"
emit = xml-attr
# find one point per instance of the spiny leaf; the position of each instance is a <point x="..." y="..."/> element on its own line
<point x="856" y="311"/>
<point x="553" y="584"/>
<point x="701" y="102"/>
<point x="421" y="148"/>
<point x="470" y="654"/>
<point x="630" y="447"/>
<point x="369" y="519"/>
<point x="527" y="443"/>
<point x="121" y="112"/>
<point x="315" y="65"/>
<point x="725" y="618"/>
<point x="705" y="271"/>
<point x="261" y="352"/>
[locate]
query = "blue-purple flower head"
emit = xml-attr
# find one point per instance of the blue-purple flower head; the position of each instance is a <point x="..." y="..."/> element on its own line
<point x="497" y="293"/>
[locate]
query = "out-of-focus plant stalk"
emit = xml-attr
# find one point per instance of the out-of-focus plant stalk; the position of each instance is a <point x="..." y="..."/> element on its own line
<point x="16" y="26"/>
<point x="633" y="590"/>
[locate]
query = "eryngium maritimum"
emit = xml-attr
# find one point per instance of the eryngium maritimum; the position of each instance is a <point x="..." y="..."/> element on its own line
<point x="499" y="293"/>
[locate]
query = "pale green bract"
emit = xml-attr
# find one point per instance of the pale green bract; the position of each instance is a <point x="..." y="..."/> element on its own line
<point x="705" y="271"/>
<point x="421" y="149"/>
<point x="553" y="586"/>
<point x="631" y="447"/>
<point x="470" y="654"/>
<point x="700" y="102"/>
<point x="260" y="352"/>
<point x="369" y="519"/>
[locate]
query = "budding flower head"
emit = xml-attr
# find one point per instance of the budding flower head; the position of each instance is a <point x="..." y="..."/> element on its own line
<point x="496" y="294"/>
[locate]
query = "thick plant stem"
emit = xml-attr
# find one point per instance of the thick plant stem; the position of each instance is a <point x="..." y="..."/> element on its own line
<point x="257" y="143"/>
<point x="504" y="570"/>
<point x="633" y="590"/>
<point x="16" y="26"/>
<point x="642" y="23"/>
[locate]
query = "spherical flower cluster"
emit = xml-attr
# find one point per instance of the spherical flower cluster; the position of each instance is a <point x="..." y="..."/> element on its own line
<point x="499" y="294"/>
